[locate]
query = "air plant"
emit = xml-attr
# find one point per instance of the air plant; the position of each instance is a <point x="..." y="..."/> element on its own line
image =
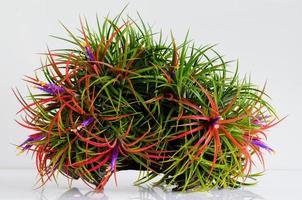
<point x="125" y="98"/>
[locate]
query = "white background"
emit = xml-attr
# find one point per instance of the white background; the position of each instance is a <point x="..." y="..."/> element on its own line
<point x="265" y="35"/>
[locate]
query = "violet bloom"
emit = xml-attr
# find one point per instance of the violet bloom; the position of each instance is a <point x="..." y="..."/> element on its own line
<point x="52" y="89"/>
<point x="114" y="157"/>
<point x="89" y="53"/>
<point x="260" y="120"/>
<point x="213" y="122"/>
<point x="87" y="122"/>
<point x="84" y="124"/>
<point x="25" y="144"/>
<point x="173" y="75"/>
<point x="257" y="142"/>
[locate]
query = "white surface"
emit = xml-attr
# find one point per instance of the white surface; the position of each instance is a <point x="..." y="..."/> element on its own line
<point x="276" y="185"/>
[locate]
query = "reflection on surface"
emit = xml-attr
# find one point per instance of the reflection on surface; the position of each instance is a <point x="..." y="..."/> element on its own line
<point x="75" y="194"/>
<point x="149" y="193"/>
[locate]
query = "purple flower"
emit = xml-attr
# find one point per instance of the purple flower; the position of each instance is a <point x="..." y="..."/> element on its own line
<point x="257" y="142"/>
<point x="52" y="89"/>
<point x="213" y="122"/>
<point x="45" y="90"/>
<point x="26" y="147"/>
<point x="260" y="120"/>
<point x="84" y="124"/>
<point x="173" y="75"/>
<point x="89" y="53"/>
<point x="87" y="122"/>
<point x="114" y="157"/>
<point x="25" y="144"/>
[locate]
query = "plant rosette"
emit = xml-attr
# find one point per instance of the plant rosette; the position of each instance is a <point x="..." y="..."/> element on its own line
<point x="125" y="98"/>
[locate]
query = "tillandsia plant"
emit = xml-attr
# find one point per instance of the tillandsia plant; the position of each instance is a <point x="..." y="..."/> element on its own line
<point x="125" y="98"/>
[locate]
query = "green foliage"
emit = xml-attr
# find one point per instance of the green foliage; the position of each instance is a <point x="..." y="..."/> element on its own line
<point x="126" y="98"/>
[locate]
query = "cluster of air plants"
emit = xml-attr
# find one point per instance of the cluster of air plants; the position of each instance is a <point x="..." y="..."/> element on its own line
<point x="126" y="98"/>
